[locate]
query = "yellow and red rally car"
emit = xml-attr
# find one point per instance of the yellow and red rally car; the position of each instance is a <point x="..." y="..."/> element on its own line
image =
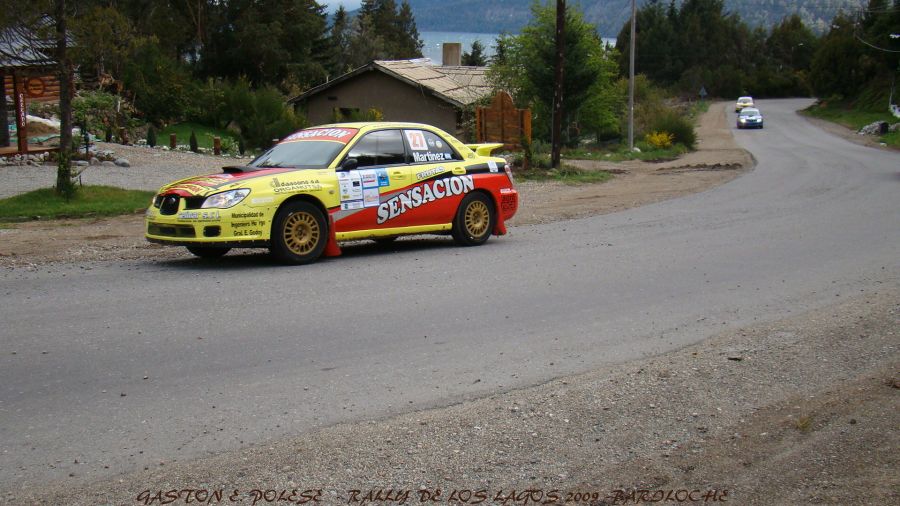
<point x="340" y="182"/>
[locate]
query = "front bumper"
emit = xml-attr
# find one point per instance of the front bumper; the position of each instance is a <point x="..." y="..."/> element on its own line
<point x="240" y="226"/>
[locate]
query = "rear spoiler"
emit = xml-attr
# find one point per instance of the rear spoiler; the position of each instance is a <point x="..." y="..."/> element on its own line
<point x="484" y="149"/>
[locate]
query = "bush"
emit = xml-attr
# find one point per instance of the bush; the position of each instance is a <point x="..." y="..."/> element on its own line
<point x="677" y="125"/>
<point x="151" y="136"/>
<point x="193" y="142"/>
<point x="659" y="140"/>
<point x="97" y="111"/>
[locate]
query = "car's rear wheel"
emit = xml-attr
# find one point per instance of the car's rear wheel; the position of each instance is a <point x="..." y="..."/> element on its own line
<point x="299" y="233"/>
<point x="208" y="251"/>
<point x="474" y="220"/>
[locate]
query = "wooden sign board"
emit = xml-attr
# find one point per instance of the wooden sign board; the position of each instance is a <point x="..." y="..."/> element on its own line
<point x="43" y="88"/>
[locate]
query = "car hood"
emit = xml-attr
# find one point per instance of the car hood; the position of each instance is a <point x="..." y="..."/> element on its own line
<point x="201" y="186"/>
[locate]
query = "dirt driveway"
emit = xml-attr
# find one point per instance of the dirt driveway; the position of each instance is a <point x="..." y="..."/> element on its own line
<point x="716" y="161"/>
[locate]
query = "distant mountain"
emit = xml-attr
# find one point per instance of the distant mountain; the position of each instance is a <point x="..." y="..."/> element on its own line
<point x="495" y="16"/>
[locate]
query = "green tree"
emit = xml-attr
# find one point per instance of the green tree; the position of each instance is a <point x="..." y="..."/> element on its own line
<point x="339" y="44"/>
<point x="528" y="73"/>
<point x="476" y="57"/>
<point x="272" y="42"/>
<point x="381" y="32"/>
<point x="160" y="87"/>
<point x="605" y="105"/>
<point x="104" y="38"/>
<point x="407" y="44"/>
<point x="837" y="67"/>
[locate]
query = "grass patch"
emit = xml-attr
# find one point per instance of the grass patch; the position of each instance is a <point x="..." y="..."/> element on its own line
<point x="88" y="201"/>
<point x="565" y="174"/>
<point x="204" y="134"/>
<point x="697" y="108"/>
<point x="855" y="118"/>
<point x="622" y="154"/>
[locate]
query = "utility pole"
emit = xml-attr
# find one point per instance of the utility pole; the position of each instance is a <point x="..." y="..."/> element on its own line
<point x="631" y="78"/>
<point x="556" y="140"/>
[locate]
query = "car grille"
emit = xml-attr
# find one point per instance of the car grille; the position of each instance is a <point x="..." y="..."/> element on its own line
<point x="171" y="230"/>
<point x="168" y="204"/>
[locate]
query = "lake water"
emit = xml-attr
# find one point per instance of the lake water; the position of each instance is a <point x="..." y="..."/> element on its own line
<point x="433" y="42"/>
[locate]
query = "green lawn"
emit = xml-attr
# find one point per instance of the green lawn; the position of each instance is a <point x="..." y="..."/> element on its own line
<point x="855" y="119"/>
<point x="204" y="134"/>
<point x="88" y="201"/>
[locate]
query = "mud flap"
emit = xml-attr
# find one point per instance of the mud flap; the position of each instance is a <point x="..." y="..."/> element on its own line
<point x="332" y="249"/>
<point x="500" y="226"/>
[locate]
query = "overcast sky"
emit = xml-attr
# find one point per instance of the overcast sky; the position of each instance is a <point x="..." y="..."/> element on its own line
<point x="333" y="4"/>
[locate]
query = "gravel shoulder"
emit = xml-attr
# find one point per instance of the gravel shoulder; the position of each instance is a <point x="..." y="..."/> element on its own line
<point x="29" y="244"/>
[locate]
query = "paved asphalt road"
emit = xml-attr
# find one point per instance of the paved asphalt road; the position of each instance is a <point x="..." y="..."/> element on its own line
<point x="127" y="365"/>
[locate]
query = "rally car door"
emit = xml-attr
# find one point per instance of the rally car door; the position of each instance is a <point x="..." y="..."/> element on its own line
<point x="381" y="170"/>
<point x="438" y="178"/>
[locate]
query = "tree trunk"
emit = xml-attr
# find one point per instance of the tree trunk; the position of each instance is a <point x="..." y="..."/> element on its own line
<point x="64" y="184"/>
<point x="556" y="135"/>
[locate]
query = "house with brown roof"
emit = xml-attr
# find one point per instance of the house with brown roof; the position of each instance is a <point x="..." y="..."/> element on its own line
<point x="401" y="90"/>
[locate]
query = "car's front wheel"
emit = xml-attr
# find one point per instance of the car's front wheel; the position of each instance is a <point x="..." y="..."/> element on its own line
<point x="208" y="251"/>
<point x="299" y="233"/>
<point x="474" y="220"/>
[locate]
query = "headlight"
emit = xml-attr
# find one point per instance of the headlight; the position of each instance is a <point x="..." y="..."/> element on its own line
<point x="225" y="200"/>
<point x="743" y="120"/>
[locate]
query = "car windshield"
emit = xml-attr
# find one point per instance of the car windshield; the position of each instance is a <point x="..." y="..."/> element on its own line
<point x="304" y="154"/>
<point x="313" y="148"/>
<point x="749" y="112"/>
<point x="745" y="99"/>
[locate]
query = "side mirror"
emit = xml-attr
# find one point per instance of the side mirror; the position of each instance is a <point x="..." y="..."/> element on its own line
<point x="350" y="164"/>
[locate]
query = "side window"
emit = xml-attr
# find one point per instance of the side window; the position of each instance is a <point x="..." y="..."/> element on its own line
<point x="384" y="147"/>
<point x="428" y="147"/>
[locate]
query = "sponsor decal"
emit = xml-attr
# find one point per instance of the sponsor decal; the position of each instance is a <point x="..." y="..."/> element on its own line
<point x="416" y="140"/>
<point x="420" y="195"/>
<point x="254" y="214"/>
<point x="352" y="204"/>
<point x="295" y="186"/>
<point x="342" y="135"/>
<point x="199" y="215"/>
<point x="492" y="165"/>
<point x="425" y="174"/>
<point x="262" y="200"/>
<point x="371" y="197"/>
<point x="198" y="185"/>
<point x="431" y="157"/>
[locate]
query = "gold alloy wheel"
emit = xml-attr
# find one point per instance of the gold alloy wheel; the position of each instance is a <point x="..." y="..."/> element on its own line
<point x="477" y="218"/>
<point x="301" y="233"/>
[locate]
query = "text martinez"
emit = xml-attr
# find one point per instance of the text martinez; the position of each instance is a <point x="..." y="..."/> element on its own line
<point x="428" y="192"/>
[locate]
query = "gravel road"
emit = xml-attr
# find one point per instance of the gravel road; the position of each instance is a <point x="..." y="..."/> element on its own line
<point x="151" y="168"/>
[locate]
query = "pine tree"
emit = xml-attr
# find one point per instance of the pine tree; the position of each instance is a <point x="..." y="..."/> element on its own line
<point x="339" y="42"/>
<point x="409" y="45"/>
<point x="476" y="57"/>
